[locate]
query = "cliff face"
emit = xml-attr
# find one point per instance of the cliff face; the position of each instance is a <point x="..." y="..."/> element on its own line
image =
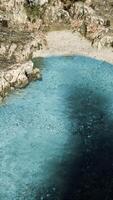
<point x="19" y="39"/>
<point x="13" y="11"/>
<point x="104" y="9"/>
<point x="93" y="19"/>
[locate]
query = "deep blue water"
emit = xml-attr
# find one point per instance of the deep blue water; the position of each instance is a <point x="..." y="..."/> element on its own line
<point x="56" y="136"/>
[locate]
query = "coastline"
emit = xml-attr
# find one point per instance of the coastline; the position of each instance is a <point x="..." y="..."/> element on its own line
<point x="17" y="76"/>
<point x="59" y="43"/>
<point x="64" y="43"/>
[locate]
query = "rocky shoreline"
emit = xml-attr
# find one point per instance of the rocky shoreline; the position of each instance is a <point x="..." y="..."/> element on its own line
<point x="17" y="76"/>
<point x="19" y="39"/>
<point x="22" y="36"/>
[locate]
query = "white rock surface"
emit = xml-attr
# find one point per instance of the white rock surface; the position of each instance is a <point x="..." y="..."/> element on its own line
<point x="17" y="76"/>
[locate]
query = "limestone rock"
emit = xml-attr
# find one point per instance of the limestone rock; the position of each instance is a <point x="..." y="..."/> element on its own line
<point x="88" y="2"/>
<point x="4" y="87"/>
<point x="105" y="41"/>
<point x="14" y="10"/>
<point x="89" y="24"/>
<point x="21" y="81"/>
<point x="36" y="74"/>
<point x="20" y="45"/>
<point x="8" y="76"/>
<point x="37" y="2"/>
<point x="28" y="68"/>
<point x="17" y="76"/>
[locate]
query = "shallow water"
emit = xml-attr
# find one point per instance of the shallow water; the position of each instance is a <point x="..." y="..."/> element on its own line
<point x="56" y="136"/>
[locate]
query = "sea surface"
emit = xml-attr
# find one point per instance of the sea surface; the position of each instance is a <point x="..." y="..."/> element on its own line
<point x="56" y="136"/>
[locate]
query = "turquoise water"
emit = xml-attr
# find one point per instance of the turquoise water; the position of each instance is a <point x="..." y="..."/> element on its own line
<point x="56" y="136"/>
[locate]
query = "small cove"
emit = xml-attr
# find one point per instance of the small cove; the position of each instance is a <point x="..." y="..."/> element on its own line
<point x="57" y="134"/>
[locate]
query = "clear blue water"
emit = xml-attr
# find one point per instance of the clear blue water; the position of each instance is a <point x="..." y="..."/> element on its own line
<point x="56" y="136"/>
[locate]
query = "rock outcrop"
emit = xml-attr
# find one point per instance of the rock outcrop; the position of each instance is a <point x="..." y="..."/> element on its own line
<point x="19" y="39"/>
<point x="19" y="46"/>
<point x="13" y="11"/>
<point x="17" y="76"/>
<point x="83" y="17"/>
<point x="90" y="25"/>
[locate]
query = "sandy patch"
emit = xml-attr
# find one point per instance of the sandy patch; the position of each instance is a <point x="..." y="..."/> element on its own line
<point x="68" y="43"/>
